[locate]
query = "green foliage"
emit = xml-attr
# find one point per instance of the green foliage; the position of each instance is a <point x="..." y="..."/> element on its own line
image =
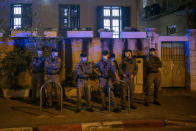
<point x="14" y="63"/>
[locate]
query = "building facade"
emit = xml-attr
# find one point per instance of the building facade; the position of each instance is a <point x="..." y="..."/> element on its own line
<point x="65" y="14"/>
<point x="170" y="17"/>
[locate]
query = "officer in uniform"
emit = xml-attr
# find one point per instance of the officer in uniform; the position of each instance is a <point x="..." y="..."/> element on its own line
<point x="129" y="68"/>
<point x="84" y="70"/>
<point x="153" y="76"/>
<point x="106" y="70"/>
<point x="37" y="66"/>
<point x="53" y="68"/>
<point x="114" y="62"/>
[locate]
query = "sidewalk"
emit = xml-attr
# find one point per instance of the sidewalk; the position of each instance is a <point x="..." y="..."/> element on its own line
<point x="176" y="106"/>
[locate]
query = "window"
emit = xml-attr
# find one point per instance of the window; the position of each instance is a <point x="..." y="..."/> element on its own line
<point x="17" y="10"/>
<point x="21" y="16"/>
<point x="17" y="16"/>
<point x="171" y="29"/>
<point x="112" y="20"/>
<point x="17" y="23"/>
<point x="69" y="18"/>
<point x="144" y="3"/>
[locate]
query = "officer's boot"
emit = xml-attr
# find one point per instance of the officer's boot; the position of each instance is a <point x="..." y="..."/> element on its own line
<point x="103" y="102"/>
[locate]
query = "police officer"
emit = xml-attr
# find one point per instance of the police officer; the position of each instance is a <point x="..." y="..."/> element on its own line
<point x="153" y="76"/>
<point x="114" y="62"/>
<point x="105" y="82"/>
<point x="37" y="66"/>
<point x="129" y="68"/>
<point x="84" y="70"/>
<point x="53" y="68"/>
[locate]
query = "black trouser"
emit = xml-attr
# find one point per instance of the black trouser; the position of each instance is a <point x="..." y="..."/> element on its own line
<point x="37" y="82"/>
<point x="84" y="88"/>
<point x="106" y="84"/>
<point x="153" y="78"/>
<point x="131" y="84"/>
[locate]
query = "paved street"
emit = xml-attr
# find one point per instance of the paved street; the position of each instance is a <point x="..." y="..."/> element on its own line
<point x="177" y="105"/>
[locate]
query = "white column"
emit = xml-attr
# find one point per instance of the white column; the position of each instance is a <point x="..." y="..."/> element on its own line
<point x="76" y="51"/>
<point x="118" y="49"/>
<point x="94" y="50"/>
<point x="192" y="55"/>
<point x="153" y="38"/>
<point x="63" y="61"/>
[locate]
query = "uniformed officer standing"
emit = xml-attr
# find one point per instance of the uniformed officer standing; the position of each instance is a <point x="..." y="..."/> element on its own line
<point x="84" y="70"/>
<point x="129" y="68"/>
<point x="105" y="80"/>
<point x="153" y="77"/>
<point x="114" y="62"/>
<point x="53" y="68"/>
<point x="37" y="66"/>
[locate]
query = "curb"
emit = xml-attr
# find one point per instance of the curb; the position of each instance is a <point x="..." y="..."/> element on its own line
<point x="105" y="125"/>
<point x="179" y="124"/>
<point x="18" y="129"/>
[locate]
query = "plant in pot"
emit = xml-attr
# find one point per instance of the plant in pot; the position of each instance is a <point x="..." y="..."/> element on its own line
<point x="15" y="74"/>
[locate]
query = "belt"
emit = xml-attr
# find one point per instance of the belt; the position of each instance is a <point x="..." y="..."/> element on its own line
<point x="105" y="77"/>
<point x="52" y="73"/>
<point x="84" y="78"/>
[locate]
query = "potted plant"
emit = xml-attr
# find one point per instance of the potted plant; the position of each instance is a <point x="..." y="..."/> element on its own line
<point x="14" y="72"/>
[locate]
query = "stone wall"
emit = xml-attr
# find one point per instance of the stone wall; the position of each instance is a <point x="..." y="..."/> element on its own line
<point x="96" y="46"/>
<point x="192" y="53"/>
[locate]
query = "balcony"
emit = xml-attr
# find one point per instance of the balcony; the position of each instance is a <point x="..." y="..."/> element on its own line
<point x="163" y="7"/>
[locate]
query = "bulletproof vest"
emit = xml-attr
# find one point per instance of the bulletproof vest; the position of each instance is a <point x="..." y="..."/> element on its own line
<point x="86" y="68"/>
<point x="38" y="64"/>
<point x="129" y="66"/>
<point x="155" y="64"/>
<point x="54" y="66"/>
<point x="105" y="67"/>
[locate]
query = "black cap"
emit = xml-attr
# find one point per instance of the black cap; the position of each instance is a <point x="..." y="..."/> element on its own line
<point x="112" y="55"/>
<point x="104" y="53"/>
<point x="83" y="55"/>
<point x="54" y="50"/>
<point x="128" y="50"/>
<point x="152" y="49"/>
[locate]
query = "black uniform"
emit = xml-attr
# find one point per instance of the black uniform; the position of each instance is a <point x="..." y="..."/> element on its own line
<point x="37" y="66"/>
<point x="128" y="68"/>
<point x="153" y="76"/>
<point x="53" y="68"/>
<point x="84" y="72"/>
<point x="107" y="72"/>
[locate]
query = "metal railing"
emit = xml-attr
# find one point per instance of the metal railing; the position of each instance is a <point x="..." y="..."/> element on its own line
<point x="128" y="90"/>
<point x="58" y="86"/>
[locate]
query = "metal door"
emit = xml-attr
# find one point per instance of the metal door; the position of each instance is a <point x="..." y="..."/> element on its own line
<point x="173" y="59"/>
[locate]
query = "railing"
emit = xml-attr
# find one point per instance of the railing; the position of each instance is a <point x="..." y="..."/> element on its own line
<point x="58" y="86"/>
<point x="128" y="90"/>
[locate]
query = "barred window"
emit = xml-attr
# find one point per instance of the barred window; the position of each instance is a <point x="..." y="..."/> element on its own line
<point x="20" y="16"/>
<point x="113" y="18"/>
<point x="69" y="17"/>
